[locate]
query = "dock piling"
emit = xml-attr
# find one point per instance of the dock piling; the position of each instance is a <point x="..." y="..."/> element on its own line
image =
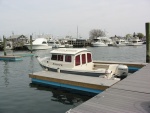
<point x="31" y="42"/>
<point x="4" y="43"/>
<point x="147" y="42"/>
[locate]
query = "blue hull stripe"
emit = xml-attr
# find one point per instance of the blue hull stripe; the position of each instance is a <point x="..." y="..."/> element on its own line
<point x="133" y="69"/>
<point x="49" y="83"/>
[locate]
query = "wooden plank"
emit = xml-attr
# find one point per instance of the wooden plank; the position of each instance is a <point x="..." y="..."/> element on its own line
<point x="73" y="77"/>
<point x="10" y="58"/>
<point x="131" y="95"/>
<point x="138" y="81"/>
<point x="116" y="101"/>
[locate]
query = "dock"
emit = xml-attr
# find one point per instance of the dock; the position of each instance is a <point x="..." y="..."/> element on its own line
<point x="72" y="81"/>
<point x="131" y="95"/>
<point x="17" y="57"/>
<point x="132" y="66"/>
<point x="11" y="58"/>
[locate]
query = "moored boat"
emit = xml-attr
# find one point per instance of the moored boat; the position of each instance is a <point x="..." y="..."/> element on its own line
<point x="79" y="61"/>
<point x="135" y="41"/>
<point x="39" y="44"/>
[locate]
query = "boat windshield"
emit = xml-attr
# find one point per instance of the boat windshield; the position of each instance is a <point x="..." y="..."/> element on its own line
<point x="59" y="57"/>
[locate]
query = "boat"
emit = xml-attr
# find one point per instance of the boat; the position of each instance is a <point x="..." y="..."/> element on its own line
<point x="55" y="44"/>
<point x="100" y="41"/>
<point x="39" y="44"/>
<point x="79" y="61"/>
<point x="120" y="42"/>
<point x="135" y="41"/>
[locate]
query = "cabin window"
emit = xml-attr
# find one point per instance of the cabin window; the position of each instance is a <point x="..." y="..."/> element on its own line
<point x="89" y="59"/>
<point x="60" y="57"/>
<point x="83" y="59"/>
<point x="54" y="57"/>
<point x="67" y="58"/>
<point x="77" y="60"/>
<point x="44" y="42"/>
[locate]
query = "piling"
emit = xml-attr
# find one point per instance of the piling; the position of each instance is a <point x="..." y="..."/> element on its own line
<point x="4" y="43"/>
<point x="148" y="42"/>
<point x="31" y="42"/>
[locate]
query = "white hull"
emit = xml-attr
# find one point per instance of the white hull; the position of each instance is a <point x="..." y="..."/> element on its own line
<point x="97" y="44"/>
<point x="135" y="44"/>
<point x="38" y="47"/>
<point x="119" y="45"/>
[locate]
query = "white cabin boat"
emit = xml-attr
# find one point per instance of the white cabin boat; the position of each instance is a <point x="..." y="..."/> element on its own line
<point x="135" y="41"/>
<point x="79" y="61"/>
<point x="39" y="44"/>
<point x="100" y="41"/>
<point x="120" y="42"/>
<point x="55" y="44"/>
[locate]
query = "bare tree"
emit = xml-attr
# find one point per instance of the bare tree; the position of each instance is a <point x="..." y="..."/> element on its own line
<point x="94" y="33"/>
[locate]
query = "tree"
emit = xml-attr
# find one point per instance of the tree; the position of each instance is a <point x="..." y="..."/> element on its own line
<point x="128" y="36"/>
<point x="140" y="35"/>
<point x="94" y="33"/>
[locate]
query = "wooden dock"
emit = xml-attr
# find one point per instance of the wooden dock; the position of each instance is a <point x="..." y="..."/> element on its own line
<point x="132" y="66"/>
<point x="11" y="58"/>
<point x="131" y="95"/>
<point x="71" y="81"/>
<point x="17" y="57"/>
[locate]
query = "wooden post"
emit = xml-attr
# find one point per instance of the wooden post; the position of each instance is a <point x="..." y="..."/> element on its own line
<point x="4" y="43"/>
<point x="31" y="42"/>
<point x="147" y="42"/>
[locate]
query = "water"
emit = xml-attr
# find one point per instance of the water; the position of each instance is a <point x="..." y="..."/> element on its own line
<point x="18" y="95"/>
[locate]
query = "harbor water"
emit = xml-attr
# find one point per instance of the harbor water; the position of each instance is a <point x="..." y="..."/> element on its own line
<point x="18" y="95"/>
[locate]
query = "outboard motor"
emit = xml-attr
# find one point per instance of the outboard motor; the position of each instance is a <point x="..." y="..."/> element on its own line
<point x="122" y="71"/>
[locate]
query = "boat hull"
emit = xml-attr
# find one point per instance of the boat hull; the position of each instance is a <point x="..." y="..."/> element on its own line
<point x="38" y="47"/>
<point x="75" y="72"/>
<point x="98" y="44"/>
<point x="135" y="44"/>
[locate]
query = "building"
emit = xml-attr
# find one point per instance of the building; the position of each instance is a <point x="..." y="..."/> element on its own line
<point x="18" y="40"/>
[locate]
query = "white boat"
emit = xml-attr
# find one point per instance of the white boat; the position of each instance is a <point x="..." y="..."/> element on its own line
<point x="100" y="41"/>
<point x="39" y="44"/>
<point x="55" y="44"/>
<point x="79" y="61"/>
<point x="120" y="42"/>
<point x="135" y="41"/>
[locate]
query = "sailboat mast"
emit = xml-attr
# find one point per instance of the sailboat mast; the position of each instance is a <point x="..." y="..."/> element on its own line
<point x="77" y="32"/>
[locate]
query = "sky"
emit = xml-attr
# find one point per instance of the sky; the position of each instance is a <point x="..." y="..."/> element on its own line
<point x="61" y="18"/>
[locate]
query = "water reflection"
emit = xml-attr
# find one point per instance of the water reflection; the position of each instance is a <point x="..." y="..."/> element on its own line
<point x="6" y="73"/>
<point x="63" y="96"/>
<point x="31" y="64"/>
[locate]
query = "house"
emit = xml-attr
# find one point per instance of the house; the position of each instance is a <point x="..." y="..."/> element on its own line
<point x="18" y="40"/>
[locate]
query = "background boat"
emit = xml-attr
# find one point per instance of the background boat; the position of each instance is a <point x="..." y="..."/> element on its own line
<point x="100" y="41"/>
<point x="135" y="41"/>
<point x="39" y="44"/>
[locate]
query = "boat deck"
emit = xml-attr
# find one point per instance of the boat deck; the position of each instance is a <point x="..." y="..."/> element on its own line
<point x="131" y="95"/>
<point x="78" y="82"/>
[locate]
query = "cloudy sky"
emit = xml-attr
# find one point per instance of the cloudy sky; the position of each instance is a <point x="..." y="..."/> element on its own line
<point x="61" y="17"/>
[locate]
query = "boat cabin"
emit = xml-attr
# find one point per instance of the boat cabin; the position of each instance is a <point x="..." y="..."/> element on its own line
<point x="80" y="59"/>
<point x="40" y="41"/>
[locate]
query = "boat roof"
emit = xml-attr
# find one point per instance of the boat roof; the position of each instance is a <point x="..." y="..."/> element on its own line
<point x="39" y="40"/>
<point x="71" y="51"/>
